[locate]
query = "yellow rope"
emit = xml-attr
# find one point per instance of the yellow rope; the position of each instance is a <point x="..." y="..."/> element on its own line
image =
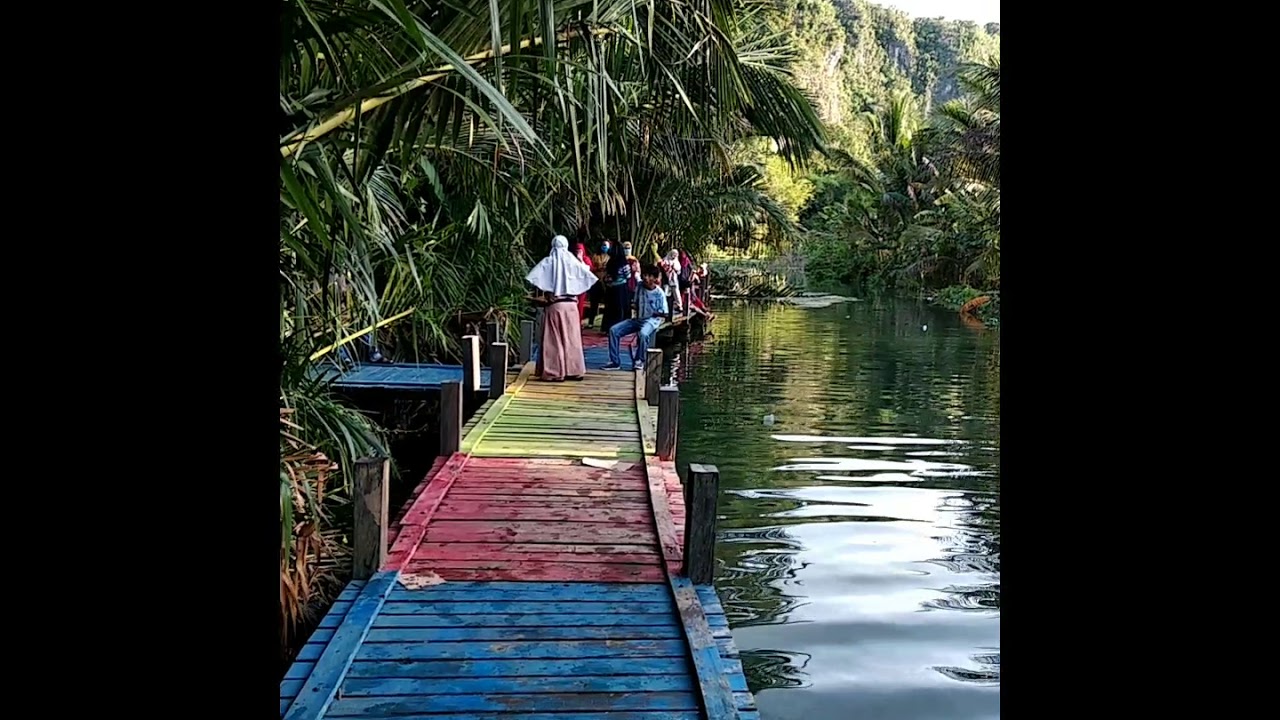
<point x="323" y="351"/>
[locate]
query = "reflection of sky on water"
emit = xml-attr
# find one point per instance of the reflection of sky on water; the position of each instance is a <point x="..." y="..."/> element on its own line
<point x="859" y="543"/>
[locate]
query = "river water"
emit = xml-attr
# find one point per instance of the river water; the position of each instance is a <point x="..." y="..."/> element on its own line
<point x="859" y="549"/>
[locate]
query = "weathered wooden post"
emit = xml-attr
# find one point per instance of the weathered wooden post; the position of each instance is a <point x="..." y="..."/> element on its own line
<point x="471" y="363"/>
<point x="369" y="526"/>
<point x="537" y="330"/>
<point x="497" y="370"/>
<point x="526" y="342"/>
<point x="668" y="421"/>
<point x="492" y="332"/>
<point x="702" y="491"/>
<point x="652" y="375"/>
<point x="450" y="417"/>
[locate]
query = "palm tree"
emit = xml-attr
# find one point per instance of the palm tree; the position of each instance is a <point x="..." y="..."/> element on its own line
<point x="427" y="149"/>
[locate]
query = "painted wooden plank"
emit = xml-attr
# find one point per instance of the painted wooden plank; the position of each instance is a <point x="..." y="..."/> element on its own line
<point x="515" y="667"/>
<point x="533" y="448"/>
<point x="300" y="669"/>
<point x="478" y="490"/>
<point x="495" y="411"/>
<point x="520" y="649"/>
<point x="318" y="692"/>
<point x="656" y="619"/>
<point x="520" y="531"/>
<point x="540" y="478"/>
<point x="544" y="634"/>
<point x="447" y="549"/>
<point x="571" y="572"/>
<point x="520" y="607"/>
<point x="478" y="511"/>
<point x="550" y="502"/>
<point x="515" y="590"/>
<point x="426" y="561"/>
<point x="549" y="702"/>
<point x="717" y="697"/>
<point x="414" y="525"/>
<point x="664" y="523"/>
<point x="625" y="715"/>
<point x="361" y="687"/>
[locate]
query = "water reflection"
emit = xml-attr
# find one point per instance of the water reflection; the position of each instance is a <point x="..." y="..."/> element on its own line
<point x="859" y="557"/>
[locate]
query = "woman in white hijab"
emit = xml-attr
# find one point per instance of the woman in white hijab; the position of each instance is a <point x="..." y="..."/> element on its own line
<point x="562" y="278"/>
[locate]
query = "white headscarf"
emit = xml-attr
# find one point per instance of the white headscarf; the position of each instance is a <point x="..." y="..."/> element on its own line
<point x="560" y="273"/>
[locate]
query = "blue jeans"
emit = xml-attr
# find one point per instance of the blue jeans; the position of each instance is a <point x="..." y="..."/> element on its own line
<point x="645" y="329"/>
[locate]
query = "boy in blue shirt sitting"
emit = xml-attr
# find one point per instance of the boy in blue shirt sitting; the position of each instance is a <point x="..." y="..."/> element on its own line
<point x="651" y="310"/>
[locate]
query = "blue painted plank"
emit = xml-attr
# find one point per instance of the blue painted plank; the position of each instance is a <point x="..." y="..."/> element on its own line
<point x="510" y="620"/>
<point x="569" y="632"/>
<point x="744" y="701"/>
<point x="636" y="715"/>
<point x="423" y="376"/>
<point x="540" y="608"/>
<point x="548" y="702"/>
<point x="520" y="649"/>
<point x="318" y="692"/>
<point x="299" y="670"/>
<point x="717" y="698"/>
<point x="311" y="652"/>
<point x="520" y="668"/>
<point x="361" y="687"/>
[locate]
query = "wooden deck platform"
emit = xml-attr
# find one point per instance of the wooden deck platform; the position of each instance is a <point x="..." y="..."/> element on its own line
<point x="521" y="583"/>
<point x="421" y="377"/>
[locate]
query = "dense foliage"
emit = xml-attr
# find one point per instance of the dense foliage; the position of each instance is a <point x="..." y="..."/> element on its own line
<point x="430" y="152"/>
<point x="910" y="196"/>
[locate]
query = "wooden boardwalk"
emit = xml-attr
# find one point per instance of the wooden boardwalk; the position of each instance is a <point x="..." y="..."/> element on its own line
<point x="521" y="583"/>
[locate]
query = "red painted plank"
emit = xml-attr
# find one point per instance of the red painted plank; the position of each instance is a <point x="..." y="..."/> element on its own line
<point x="666" y="527"/>
<point x="525" y="563"/>
<point x="521" y="532"/>
<point x="563" y="492"/>
<point x="413" y="528"/>
<point x="445" y="549"/>
<point x="535" y="482"/>
<point x="574" y="572"/>
<point x="429" y="560"/>
<point x="480" y="511"/>
<point x="583" y="474"/>
<point x="548" y="501"/>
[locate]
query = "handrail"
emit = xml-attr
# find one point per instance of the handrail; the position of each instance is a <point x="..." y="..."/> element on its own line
<point x="326" y="350"/>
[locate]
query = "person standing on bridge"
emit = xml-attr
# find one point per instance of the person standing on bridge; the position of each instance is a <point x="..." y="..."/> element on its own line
<point x="617" y="301"/>
<point x="562" y="278"/>
<point x="651" y="310"/>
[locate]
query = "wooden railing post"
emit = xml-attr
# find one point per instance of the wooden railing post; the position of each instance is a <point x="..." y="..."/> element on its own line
<point x="668" y="421"/>
<point x="369" y="526"/>
<point x="497" y="370"/>
<point x="538" y="327"/>
<point x="491" y="335"/>
<point x="450" y="417"/>
<point x="526" y="342"/>
<point x="471" y="363"/>
<point x="702" y="491"/>
<point x="652" y="375"/>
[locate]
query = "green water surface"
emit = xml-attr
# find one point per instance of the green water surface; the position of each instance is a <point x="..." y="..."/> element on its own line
<point x="859" y="546"/>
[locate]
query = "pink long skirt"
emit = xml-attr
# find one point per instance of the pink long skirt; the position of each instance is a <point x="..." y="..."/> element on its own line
<point x="562" y="343"/>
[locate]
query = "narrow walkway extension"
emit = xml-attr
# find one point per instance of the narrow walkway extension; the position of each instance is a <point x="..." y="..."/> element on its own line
<point x="522" y="583"/>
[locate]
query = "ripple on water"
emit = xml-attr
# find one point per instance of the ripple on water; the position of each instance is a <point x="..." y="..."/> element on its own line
<point x="863" y="579"/>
